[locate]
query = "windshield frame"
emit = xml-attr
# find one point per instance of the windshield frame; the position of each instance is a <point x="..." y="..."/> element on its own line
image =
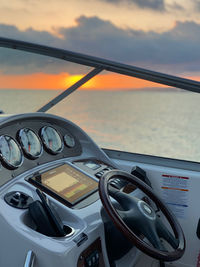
<point x="99" y="65"/>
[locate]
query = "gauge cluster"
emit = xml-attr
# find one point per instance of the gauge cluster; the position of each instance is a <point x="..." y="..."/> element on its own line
<point x="31" y="143"/>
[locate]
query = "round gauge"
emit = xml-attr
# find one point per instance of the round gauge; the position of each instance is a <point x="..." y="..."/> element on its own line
<point x="69" y="140"/>
<point x="10" y="152"/>
<point x="51" y="139"/>
<point x="30" y="143"/>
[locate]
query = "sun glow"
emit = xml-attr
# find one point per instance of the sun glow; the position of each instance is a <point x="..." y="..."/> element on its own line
<point x="72" y="79"/>
<point x="110" y="81"/>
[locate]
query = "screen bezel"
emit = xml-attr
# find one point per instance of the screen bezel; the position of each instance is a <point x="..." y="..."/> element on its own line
<point x="56" y="195"/>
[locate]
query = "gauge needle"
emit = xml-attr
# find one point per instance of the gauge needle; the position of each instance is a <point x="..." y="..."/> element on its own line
<point x="29" y="147"/>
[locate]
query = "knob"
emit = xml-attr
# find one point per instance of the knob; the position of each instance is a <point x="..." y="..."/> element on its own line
<point x="18" y="199"/>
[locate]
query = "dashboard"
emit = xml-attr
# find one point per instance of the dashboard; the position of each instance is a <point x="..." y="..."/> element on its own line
<point x="31" y="140"/>
<point x="34" y="143"/>
<point x="47" y="161"/>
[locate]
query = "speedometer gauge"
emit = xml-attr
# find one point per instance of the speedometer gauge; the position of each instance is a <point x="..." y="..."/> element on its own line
<point x="10" y="152"/>
<point x="51" y="139"/>
<point x="30" y="143"/>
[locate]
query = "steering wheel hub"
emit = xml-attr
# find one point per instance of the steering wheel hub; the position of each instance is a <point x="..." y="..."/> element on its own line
<point x="146" y="210"/>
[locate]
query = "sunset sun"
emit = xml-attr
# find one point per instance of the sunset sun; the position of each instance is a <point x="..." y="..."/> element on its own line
<point x="72" y="79"/>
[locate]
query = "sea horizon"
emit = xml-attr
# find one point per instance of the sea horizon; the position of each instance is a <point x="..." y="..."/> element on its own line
<point x="151" y="122"/>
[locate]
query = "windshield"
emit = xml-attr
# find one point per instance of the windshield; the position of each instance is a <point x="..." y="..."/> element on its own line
<point x="118" y="112"/>
<point x="28" y="81"/>
<point x="152" y="121"/>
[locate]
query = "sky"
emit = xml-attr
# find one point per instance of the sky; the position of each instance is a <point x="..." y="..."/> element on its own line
<point x="162" y="35"/>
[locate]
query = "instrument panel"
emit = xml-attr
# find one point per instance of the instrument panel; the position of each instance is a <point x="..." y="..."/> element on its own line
<point x="31" y="145"/>
<point x="30" y="140"/>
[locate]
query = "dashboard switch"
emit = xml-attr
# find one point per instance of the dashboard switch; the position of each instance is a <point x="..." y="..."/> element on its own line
<point x="93" y="259"/>
<point x="89" y="262"/>
<point x="79" y="240"/>
<point x="98" y="174"/>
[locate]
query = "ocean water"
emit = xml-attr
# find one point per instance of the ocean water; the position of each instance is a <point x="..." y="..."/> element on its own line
<point x="161" y="123"/>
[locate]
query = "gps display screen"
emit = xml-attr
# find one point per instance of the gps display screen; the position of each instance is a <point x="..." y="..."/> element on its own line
<point x="66" y="182"/>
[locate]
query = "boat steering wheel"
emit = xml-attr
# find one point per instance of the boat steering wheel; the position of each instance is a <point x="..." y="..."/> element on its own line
<point x="138" y="218"/>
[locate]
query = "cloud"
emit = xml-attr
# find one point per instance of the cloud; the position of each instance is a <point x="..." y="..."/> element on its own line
<point x="175" y="6"/>
<point x="152" y="4"/>
<point x="18" y="62"/>
<point x="176" y="47"/>
<point x="30" y="34"/>
<point x="175" y="51"/>
<point x="196" y="5"/>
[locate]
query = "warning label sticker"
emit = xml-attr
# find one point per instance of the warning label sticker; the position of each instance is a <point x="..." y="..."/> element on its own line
<point x="175" y="193"/>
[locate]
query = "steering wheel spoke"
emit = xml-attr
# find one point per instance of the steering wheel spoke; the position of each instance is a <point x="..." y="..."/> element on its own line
<point x="165" y="233"/>
<point x="146" y="228"/>
<point x="149" y="231"/>
<point x="126" y="201"/>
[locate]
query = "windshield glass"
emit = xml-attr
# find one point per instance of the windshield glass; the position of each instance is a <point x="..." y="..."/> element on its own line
<point x="118" y="112"/>
<point x="137" y="116"/>
<point x="28" y="81"/>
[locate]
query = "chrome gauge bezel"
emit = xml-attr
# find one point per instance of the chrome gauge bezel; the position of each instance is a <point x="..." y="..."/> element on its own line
<point x="3" y="157"/>
<point x="46" y="145"/>
<point x="27" y="153"/>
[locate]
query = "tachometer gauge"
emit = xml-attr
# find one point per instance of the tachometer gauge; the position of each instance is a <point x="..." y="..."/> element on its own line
<point x="30" y="143"/>
<point x="69" y="140"/>
<point x="10" y="152"/>
<point x="51" y="139"/>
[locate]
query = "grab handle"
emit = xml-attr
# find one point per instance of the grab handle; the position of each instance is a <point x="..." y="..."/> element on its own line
<point x="30" y="258"/>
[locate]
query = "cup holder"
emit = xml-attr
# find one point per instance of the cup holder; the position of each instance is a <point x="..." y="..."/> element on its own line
<point x="43" y="218"/>
<point x="69" y="231"/>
